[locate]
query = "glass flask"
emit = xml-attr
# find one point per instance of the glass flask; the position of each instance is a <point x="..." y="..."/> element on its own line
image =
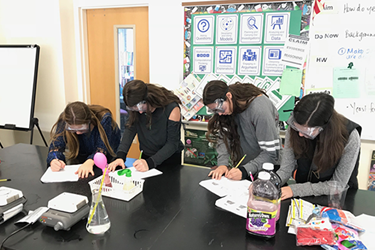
<point x="98" y="221"/>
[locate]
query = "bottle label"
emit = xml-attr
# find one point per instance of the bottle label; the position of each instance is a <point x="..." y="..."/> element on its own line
<point x="260" y="222"/>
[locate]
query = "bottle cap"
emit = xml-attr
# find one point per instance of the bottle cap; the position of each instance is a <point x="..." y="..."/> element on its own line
<point x="128" y="173"/>
<point x="264" y="176"/>
<point x="268" y="166"/>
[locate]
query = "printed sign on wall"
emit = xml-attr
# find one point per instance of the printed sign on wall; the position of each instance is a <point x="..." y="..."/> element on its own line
<point x="203" y="58"/>
<point x="295" y="51"/>
<point x="276" y="27"/>
<point x="272" y="61"/>
<point x="226" y="29"/>
<point x="204" y="29"/>
<point x="225" y="61"/>
<point x="251" y="28"/>
<point x="249" y="59"/>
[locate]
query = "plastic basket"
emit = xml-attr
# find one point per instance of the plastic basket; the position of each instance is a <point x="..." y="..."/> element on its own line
<point x="116" y="191"/>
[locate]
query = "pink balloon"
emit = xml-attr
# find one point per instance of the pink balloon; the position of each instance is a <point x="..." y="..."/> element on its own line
<point x="100" y="160"/>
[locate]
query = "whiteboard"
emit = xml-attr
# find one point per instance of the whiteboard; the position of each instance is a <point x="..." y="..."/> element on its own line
<point x="18" y="77"/>
<point x="343" y="34"/>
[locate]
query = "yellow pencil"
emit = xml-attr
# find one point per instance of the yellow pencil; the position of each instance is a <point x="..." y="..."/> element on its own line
<point x="5" y="179"/>
<point x="240" y="161"/>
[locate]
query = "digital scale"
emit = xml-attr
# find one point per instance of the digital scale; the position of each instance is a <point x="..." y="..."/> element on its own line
<point x="11" y="203"/>
<point x="65" y="210"/>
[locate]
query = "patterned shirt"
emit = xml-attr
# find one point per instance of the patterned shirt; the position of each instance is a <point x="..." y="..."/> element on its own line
<point x="89" y="143"/>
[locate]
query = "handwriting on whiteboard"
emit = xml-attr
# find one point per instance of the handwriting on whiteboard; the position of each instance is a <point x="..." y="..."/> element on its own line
<point x="361" y="108"/>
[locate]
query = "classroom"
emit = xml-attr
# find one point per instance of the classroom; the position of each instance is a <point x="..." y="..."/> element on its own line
<point x="64" y="69"/>
<point x="59" y="27"/>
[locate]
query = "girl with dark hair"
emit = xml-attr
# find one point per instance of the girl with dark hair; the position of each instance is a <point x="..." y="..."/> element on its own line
<point x="84" y="130"/>
<point x="245" y="122"/>
<point x="154" y="115"/>
<point x="320" y="146"/>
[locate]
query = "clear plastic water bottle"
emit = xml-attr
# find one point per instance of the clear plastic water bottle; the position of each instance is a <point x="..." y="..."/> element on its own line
<point x="128" y="182"/>
<point x="262" y="207"/>
<point x="275" y="179"/>
<point x="98" y="221"/>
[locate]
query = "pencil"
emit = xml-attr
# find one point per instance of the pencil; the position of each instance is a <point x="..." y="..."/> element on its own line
<point x="240" y="161"/>
<point x="140" y="155"/>
<point x="5" y="179"/>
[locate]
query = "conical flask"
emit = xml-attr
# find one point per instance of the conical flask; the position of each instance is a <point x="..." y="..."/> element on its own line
<point x="98" y="221"/>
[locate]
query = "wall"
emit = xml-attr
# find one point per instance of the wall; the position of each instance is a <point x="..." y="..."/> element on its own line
<point x="38" y="22"/>
<point x="72" y="87"/>
<point x="55" y="26"/>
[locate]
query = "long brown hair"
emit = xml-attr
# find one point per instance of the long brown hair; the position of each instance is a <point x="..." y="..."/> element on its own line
<point x="77" y="113"/>
<point x="224" y="126"/>
<point x="155" y="96"/>
<point x="317" y="110"/>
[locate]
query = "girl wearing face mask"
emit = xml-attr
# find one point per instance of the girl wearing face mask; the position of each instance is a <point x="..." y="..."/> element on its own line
<point x="84" y="130"/>
<point x="245" y="122"/>
<point x="154" y="115"/>
<point x="320" y="146"/>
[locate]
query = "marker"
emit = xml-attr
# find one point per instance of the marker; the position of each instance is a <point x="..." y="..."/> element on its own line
<point x="251" y="176"/>
<point x="240" y="161"/>
<point x="140" y="155"/>
<point x="5" y="179"/>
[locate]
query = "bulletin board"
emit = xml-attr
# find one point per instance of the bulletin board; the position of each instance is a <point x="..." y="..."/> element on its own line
<point x="342" y="59"/>
<point x="243" y="43"/>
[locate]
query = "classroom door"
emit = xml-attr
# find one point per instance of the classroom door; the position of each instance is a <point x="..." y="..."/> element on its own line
<point x="101" y="39"/>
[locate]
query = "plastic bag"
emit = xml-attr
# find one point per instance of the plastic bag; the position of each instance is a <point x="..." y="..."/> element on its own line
<point x="317" y="232"/>
<point x="342" y="217"/>
<point x="346" y="239"/>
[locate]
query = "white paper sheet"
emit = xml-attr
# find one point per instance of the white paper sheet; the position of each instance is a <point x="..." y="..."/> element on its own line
<point x="236" y="204"/>
<point x="65" y="175"/>
<point x="224" y="186"/>
<point x="33" y="215"/>
<point x="142" y="175"/>
<point x="367" y="222"/>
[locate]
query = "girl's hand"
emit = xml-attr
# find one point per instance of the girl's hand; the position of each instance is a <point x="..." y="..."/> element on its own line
<point x="286" y="192"/>
<point x="118" y="162"/>
<point x="218" y="172"/>
<point x="85" y="169"/>
<point x="141" y="165"/>
<point x="234" y="174"/>
<point x="57" y="165"/>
